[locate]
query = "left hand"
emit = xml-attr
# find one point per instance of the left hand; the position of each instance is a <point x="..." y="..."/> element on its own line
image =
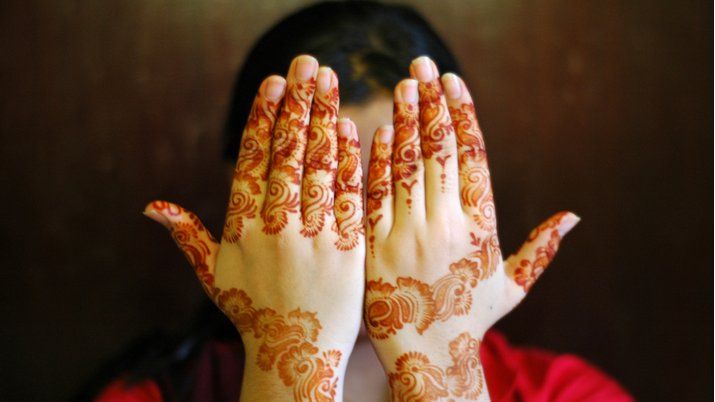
<point x="435" y="276"/>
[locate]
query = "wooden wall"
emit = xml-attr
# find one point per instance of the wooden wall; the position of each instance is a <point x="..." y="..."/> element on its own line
<point x="602" y="107"/>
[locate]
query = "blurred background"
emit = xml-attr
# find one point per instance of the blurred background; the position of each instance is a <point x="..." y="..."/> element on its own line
<point x="604" y="108"/>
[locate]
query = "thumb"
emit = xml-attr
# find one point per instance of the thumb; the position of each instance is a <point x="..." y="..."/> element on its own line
<point x="190" y="235"/>
<point x="539" y="249"/>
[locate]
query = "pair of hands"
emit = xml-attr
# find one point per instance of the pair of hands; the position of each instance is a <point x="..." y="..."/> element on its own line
<point x="296" y="266"/>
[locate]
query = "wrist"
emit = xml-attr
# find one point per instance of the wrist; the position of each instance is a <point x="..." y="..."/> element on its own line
<point x="293" y="371"/>
<point x="444" y="365"/>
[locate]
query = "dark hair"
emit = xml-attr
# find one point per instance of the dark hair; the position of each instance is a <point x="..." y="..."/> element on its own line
<point x="369" y="45"/>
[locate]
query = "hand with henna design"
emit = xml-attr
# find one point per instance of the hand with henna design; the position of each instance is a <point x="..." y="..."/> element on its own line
<point x="288" y="270"/>
<point x="436" y="281"/>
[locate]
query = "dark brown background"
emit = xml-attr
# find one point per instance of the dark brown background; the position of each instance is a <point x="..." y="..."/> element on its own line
<point x="600" y="107"/>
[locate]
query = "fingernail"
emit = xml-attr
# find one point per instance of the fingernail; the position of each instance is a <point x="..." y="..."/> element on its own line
<point x="408" y="90"/>
<point x="305" y="67"/>
<point x="325" y="77"/>
<point x="345" y="127"/>
<point x="157" y="217"/>
<point x="452" y="86"/>
<point x="385" y="134"/>
<point x="424" y="70"/>
<point x="567" y="223"/>
<point x="274" y="88"/>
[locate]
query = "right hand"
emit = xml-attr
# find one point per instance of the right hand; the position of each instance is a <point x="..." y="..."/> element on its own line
<point x="289" y="271"/>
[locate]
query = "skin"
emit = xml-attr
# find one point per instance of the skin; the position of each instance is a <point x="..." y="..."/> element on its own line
<point x="295" y="265"/>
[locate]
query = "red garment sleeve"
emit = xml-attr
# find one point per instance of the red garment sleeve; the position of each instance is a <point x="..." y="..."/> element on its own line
<point x="532" y="375"/>
<point x="119" y="391"/>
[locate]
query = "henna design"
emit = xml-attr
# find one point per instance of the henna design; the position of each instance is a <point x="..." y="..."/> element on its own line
<point x="388" y="307"/>
<point x="251" y="168"/>
<point x="287" y="157"/>
<point x="435" y="124"/>
<point x="528" y="271"/>
<point x="476" y="192"/>
<point x="320" y="164"/>
<point x="417" y="379"/>
<point x="407" y="148"/>
<point x="379" y="186"/>
<point x="188" y="236"/>
<point x="286" y="342"/>
<point x="348" y="198"/>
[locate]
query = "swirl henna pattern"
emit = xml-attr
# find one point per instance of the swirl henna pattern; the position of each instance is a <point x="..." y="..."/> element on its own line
<point x="407" y="152"/>
<point x="348" y="194"/>
<point x="320" y="166"/>
<point x="529" y="270"/>
<point x="435" y="124"/>
<point x="379" y="186"/>
<point x="287" y="157"/>
<point x="417" y="379"/>
<point x="389" y="307"/>
<point x="251" y="168"/>
<point x="475" y="183"/>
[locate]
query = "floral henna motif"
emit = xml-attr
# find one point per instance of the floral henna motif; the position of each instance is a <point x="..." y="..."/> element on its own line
<point x="251" y="168"/>
<point x="528" y="271"/>
<point x="388" y="307"/>
<point x="348" y="199"/>
<point x="435" y="124"/>
<point x="476" y="192"/>
<point x="320" y="164"/>
<point x="287" y="157"/>
<point x="417" y="379"/>
<point x="286" y="342"/>
<point x="407" y="147"/>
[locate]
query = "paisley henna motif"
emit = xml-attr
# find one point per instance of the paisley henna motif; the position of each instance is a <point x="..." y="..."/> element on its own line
<point x="435" y="124"/>
<point x="407" y="148"/>
<point x="251" y="168"/>
<point x="417" y="379"/>
<point x="289" y="139"/>
<point x="348" y="194"/>
<point x="286" y="342"/>
<point x="476" y="192"/>
<point x="388" y="307"/>
<point x="320" y="164"/>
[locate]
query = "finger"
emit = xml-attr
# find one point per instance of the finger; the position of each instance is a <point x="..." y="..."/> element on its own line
<point x="407" y="166"/>
<point x="288" y="147"/>
<point x="475" y="187"/>
<point x="191" y="236"/>
<point x="348" y="187"/>
<point x="321" y="157"/>
<point x="379" y="188"/>
<point x="525" y="267"/>
<point x="249" y="178"/>
<point x="439" y="146"/>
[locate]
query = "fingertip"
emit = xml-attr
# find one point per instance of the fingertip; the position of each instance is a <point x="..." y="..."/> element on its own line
<point x="385" y="134"/>
<point x="346" y="128"/>
<point x="568" y="221"/>
<point x="273" y="87"/>
<point x="152" y="211"/>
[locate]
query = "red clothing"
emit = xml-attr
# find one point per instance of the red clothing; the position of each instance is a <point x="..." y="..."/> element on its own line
<point x="512" y="374"/>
